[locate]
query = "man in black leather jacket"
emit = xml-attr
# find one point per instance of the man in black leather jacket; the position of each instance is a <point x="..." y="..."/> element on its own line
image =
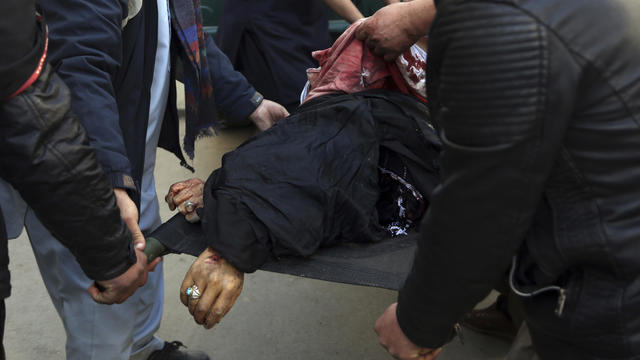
<point x="537" y="104"/>
<point x="45" y="155"/>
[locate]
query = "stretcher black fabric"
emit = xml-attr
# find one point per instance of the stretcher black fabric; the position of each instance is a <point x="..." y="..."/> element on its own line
<point x="383" y="264"/>
<point x="312" y="180"/>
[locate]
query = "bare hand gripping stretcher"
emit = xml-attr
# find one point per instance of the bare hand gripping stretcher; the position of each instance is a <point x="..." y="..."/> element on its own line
<point x="383" y="264"/>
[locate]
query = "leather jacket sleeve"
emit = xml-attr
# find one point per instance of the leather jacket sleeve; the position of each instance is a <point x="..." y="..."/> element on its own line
<point x="45" y="155"/>
<point x="501" y="118"/>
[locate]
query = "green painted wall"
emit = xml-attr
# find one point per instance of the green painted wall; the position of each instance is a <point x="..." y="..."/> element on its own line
<point x="211" y="10"/>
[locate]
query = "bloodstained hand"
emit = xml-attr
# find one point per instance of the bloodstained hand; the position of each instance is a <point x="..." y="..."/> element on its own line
<point x="186" y="196"/>
<point x="219" y="283"/>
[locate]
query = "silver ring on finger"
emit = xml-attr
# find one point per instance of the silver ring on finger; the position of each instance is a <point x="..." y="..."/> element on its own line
<point x="193" y="292"/>
<point x="189" y="205"/>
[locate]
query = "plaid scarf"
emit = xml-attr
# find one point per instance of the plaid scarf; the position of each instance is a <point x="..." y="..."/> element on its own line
<point x="201" y="115"/>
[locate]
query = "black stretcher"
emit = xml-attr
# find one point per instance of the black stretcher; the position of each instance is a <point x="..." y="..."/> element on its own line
<point x="384" y="264"/>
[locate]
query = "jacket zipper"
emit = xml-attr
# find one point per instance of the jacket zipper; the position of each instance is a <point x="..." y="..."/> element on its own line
<point x="562" y="292"/>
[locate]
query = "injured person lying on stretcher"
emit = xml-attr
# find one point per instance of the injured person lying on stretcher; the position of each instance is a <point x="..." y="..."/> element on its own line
<point x="355" y="163"/>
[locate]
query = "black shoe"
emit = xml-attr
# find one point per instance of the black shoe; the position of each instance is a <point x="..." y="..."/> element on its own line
<point x="491" y="321"/>
<point x="171" y="351"/>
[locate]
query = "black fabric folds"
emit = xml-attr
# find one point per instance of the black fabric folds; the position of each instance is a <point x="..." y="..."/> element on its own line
<point x="313" y="179"/>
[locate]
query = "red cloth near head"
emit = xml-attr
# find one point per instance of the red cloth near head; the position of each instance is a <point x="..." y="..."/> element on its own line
<point x="350" y="66"/>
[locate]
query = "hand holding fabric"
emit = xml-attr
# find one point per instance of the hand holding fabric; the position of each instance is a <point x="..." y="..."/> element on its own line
<point x="129" y="214"/>
<point x="394" y="28"/>
<point x="392" y="338"/>
<point x="219" y="284"/>
<point x="186" y="196"/>
<point x="118" y="289"/>
<point x="267" y="114"/>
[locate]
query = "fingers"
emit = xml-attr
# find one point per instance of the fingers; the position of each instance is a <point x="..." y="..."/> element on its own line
<point x="141" y="265"/>
<point x="391" y="337"/>
<point x="193" y="303"/>
<point x="362" y="32"/>
<point x="173" y="190"/>
<point x="118" y="289"/>
<point x="108" y="296"/>
<point x="223" y="304"/>
<point x="392" y="56"/>
<point x="373" y="43"/>
<point x="281" y="113"/>
<point x="129" y="214"/>
<point x="378" y="49"/>
<point x="152" y="265"/>
<point x="202" y="306"/>
<point x="188" y="190"/>
<point x="186" y="283"/>
<point x="138" y="239"/>
<point x="434" y="354"/>
<point x="219" y="283"/>
<point x="188" y="205"/>
<point x="277" y="113"/>
<point x="267" y="114"/>
<point x="187" y="194"/>
<point x="192" y="217"/>
<point x="97" y="295"/>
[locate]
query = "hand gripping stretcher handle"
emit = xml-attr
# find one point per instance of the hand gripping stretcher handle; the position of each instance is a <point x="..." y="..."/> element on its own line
<point x="154" y="248"/>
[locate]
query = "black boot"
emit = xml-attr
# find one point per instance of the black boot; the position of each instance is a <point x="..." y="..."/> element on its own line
<point x="171" y="351"/>
<point x="494" y="321"/>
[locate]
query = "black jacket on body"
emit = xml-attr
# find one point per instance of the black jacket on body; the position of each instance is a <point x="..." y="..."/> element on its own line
<point x="537" y="103"/>
<point x="314" y="179"/>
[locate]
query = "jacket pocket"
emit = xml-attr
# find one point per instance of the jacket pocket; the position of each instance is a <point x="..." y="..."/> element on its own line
<point x="529" y="289"/>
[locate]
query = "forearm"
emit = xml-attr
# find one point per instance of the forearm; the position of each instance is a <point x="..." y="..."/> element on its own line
<point x="86" y="51"/>
<point x="345" y="9"/>
<point x="249" y="248"/>
<point x="234" y="96"/>
<point x="420" y="15"/>
<point x="46" y="157"/>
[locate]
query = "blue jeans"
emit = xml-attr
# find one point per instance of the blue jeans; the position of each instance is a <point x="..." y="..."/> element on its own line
<point x="96" y="331"/>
